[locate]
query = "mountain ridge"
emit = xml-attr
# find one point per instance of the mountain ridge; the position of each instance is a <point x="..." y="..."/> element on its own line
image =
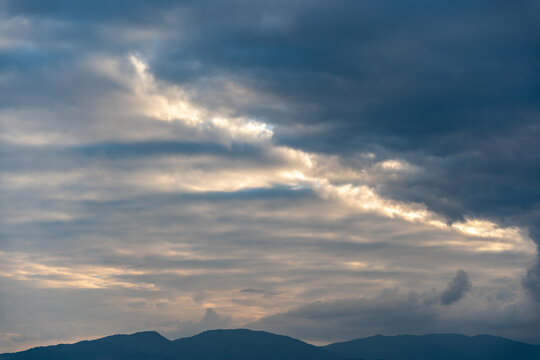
<point x="243" y="344"/>
<point x="436" y="347"/>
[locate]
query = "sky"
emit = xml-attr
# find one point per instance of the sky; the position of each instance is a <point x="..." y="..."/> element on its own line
<point x="326" y="170"/>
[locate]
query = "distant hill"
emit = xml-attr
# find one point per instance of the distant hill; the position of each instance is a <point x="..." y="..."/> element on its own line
<point x="436" y="347"/>
<point x="138" y="346"/>
<point x="244" y="344"/>
<point x="247" y="344"/>
<point x="209" y="345"/>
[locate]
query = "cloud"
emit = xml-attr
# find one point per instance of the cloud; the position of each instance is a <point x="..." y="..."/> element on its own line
<point x="210" y="321"/>
<point x="531" y="281"/>
<point x="214" y="213"/>
<point x="394" y="312"/>
<point x="456" y="289"/>
<point x="412" y="81"/>
<point x="168" y="157"/>
<point x="257" y="292"/>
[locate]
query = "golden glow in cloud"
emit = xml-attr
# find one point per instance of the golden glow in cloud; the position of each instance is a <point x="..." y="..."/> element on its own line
<point x="298" y="168"/>
<point x="170" y="103"/>
<point x="290" y="167"/>
<point x="46" y="274"/>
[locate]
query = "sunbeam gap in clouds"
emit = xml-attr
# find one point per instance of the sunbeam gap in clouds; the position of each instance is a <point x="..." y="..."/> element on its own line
<point x="178" y="108"/>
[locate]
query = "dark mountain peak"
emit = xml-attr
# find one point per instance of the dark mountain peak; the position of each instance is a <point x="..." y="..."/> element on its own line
<point x="145" y="341"/>
<point x="236" y="331"/>
<point x="436" y="346"/>
<point x="233" y="332"/>
<point x="138" y="336"/>
<point x="246" y="344"/>
<point x="239" y="334"/>
<point x="492" y="337"/>
<point x="138" y="346"/>
<point x="424" y="338"/>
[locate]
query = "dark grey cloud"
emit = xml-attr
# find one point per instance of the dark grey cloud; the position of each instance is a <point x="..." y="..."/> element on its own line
<point x="393" y="312"/>
<point x="96" y="11"/>
<point x="257" y="292"/>
<point x="456" y="289"/>
<point x="452" y="89"/>
<point x="19" y="157"/>
<point x="532" y="280"/>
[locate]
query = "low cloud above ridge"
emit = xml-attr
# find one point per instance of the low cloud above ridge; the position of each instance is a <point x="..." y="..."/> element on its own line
<point x="456" y="289"/>
<point x="395" y="312"/>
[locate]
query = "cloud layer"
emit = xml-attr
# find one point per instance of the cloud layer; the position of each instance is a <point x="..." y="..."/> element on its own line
<point x="282" y="165"/>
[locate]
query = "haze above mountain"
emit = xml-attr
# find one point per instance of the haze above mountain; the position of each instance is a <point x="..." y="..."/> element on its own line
<point x="243" y="344"/>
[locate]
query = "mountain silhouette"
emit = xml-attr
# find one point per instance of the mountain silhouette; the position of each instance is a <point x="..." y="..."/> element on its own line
<point x="247" y="344"/>
<point x="436" y="347"/>
<point x="238" y="344"/>
<point x="139" y="346"/>
<point x="242" y="344"/>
